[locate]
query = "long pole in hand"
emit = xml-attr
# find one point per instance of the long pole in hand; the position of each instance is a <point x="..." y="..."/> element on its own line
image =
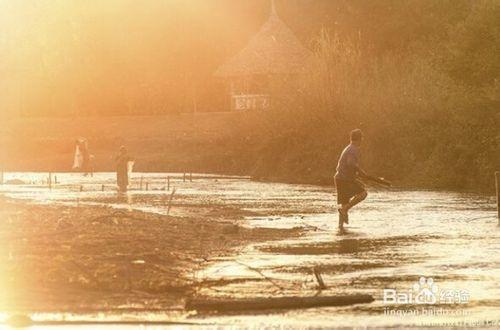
<point x="381" y="181"/>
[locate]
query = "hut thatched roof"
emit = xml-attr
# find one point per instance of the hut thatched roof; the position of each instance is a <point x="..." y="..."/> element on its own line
<point x="273" y="50"/>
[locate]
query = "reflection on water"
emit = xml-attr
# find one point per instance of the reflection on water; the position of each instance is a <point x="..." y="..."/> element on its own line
<point x="393" y="238"/>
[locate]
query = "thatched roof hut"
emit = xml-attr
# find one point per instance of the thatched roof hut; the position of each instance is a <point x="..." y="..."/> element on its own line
<point x="273" y="50"/>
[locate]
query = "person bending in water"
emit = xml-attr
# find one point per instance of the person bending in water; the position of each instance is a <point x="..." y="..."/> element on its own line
<point x="350" y="191"/>
<point x="122" y="161"/>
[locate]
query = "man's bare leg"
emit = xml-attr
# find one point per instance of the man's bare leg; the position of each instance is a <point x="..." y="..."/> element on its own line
<point x="344" y="210"/>
<point x="344" y="216"/>
<point x="355" y="200"/>
<point x="341" y="219"/>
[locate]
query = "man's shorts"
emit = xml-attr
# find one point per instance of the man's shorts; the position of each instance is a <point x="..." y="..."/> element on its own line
<point x="347" y="189"/>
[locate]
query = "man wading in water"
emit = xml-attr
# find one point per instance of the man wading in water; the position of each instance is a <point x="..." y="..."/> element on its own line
<point x="351" y="191"/>
<point x="122" y="169"/>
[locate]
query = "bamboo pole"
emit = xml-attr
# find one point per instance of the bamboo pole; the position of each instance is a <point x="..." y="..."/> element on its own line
<point x="497" y="186"/>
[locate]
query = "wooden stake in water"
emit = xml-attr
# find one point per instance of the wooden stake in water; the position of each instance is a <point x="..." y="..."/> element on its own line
<point x="1" y="177"/>
<point x="190" y="177"/>
<point x="168" y="183"/>
<point x="49" y="181"/>
<point x="102" y="188"/>
<point x="184" y="177"/>
<point x="170" y="201"/>
<point x="140" y="184"/>
<point x="497" y="186"/>
<point x="319" y="278"/>
<point x="147" y="186"/>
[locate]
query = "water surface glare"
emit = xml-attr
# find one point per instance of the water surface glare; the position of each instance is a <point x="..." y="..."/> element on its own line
<point x="393" y="239"/>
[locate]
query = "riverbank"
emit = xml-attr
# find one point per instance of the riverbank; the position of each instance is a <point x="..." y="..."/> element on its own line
<point x="247" y="143"/>
<point x="58" y="258"/>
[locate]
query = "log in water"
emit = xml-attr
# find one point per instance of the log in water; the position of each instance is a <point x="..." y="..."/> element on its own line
<point x="275" y="303"/>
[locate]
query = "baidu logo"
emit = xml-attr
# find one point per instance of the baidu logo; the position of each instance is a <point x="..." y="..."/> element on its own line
<point x="425" y="292"/>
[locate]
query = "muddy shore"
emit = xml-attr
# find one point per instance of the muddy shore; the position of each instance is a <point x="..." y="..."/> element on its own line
<point x="59" y="258"/>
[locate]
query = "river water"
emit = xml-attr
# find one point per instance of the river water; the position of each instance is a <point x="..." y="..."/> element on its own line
<point x="394" y="238"/>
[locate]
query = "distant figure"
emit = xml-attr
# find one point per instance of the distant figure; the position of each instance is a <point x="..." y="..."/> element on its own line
<point x="351" y="191"/>
<point x="124" y="165"/>
<point x="83" y="159"/>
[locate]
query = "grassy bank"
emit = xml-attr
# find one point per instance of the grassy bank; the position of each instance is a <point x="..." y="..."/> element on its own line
<point x="289" y="146"/>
